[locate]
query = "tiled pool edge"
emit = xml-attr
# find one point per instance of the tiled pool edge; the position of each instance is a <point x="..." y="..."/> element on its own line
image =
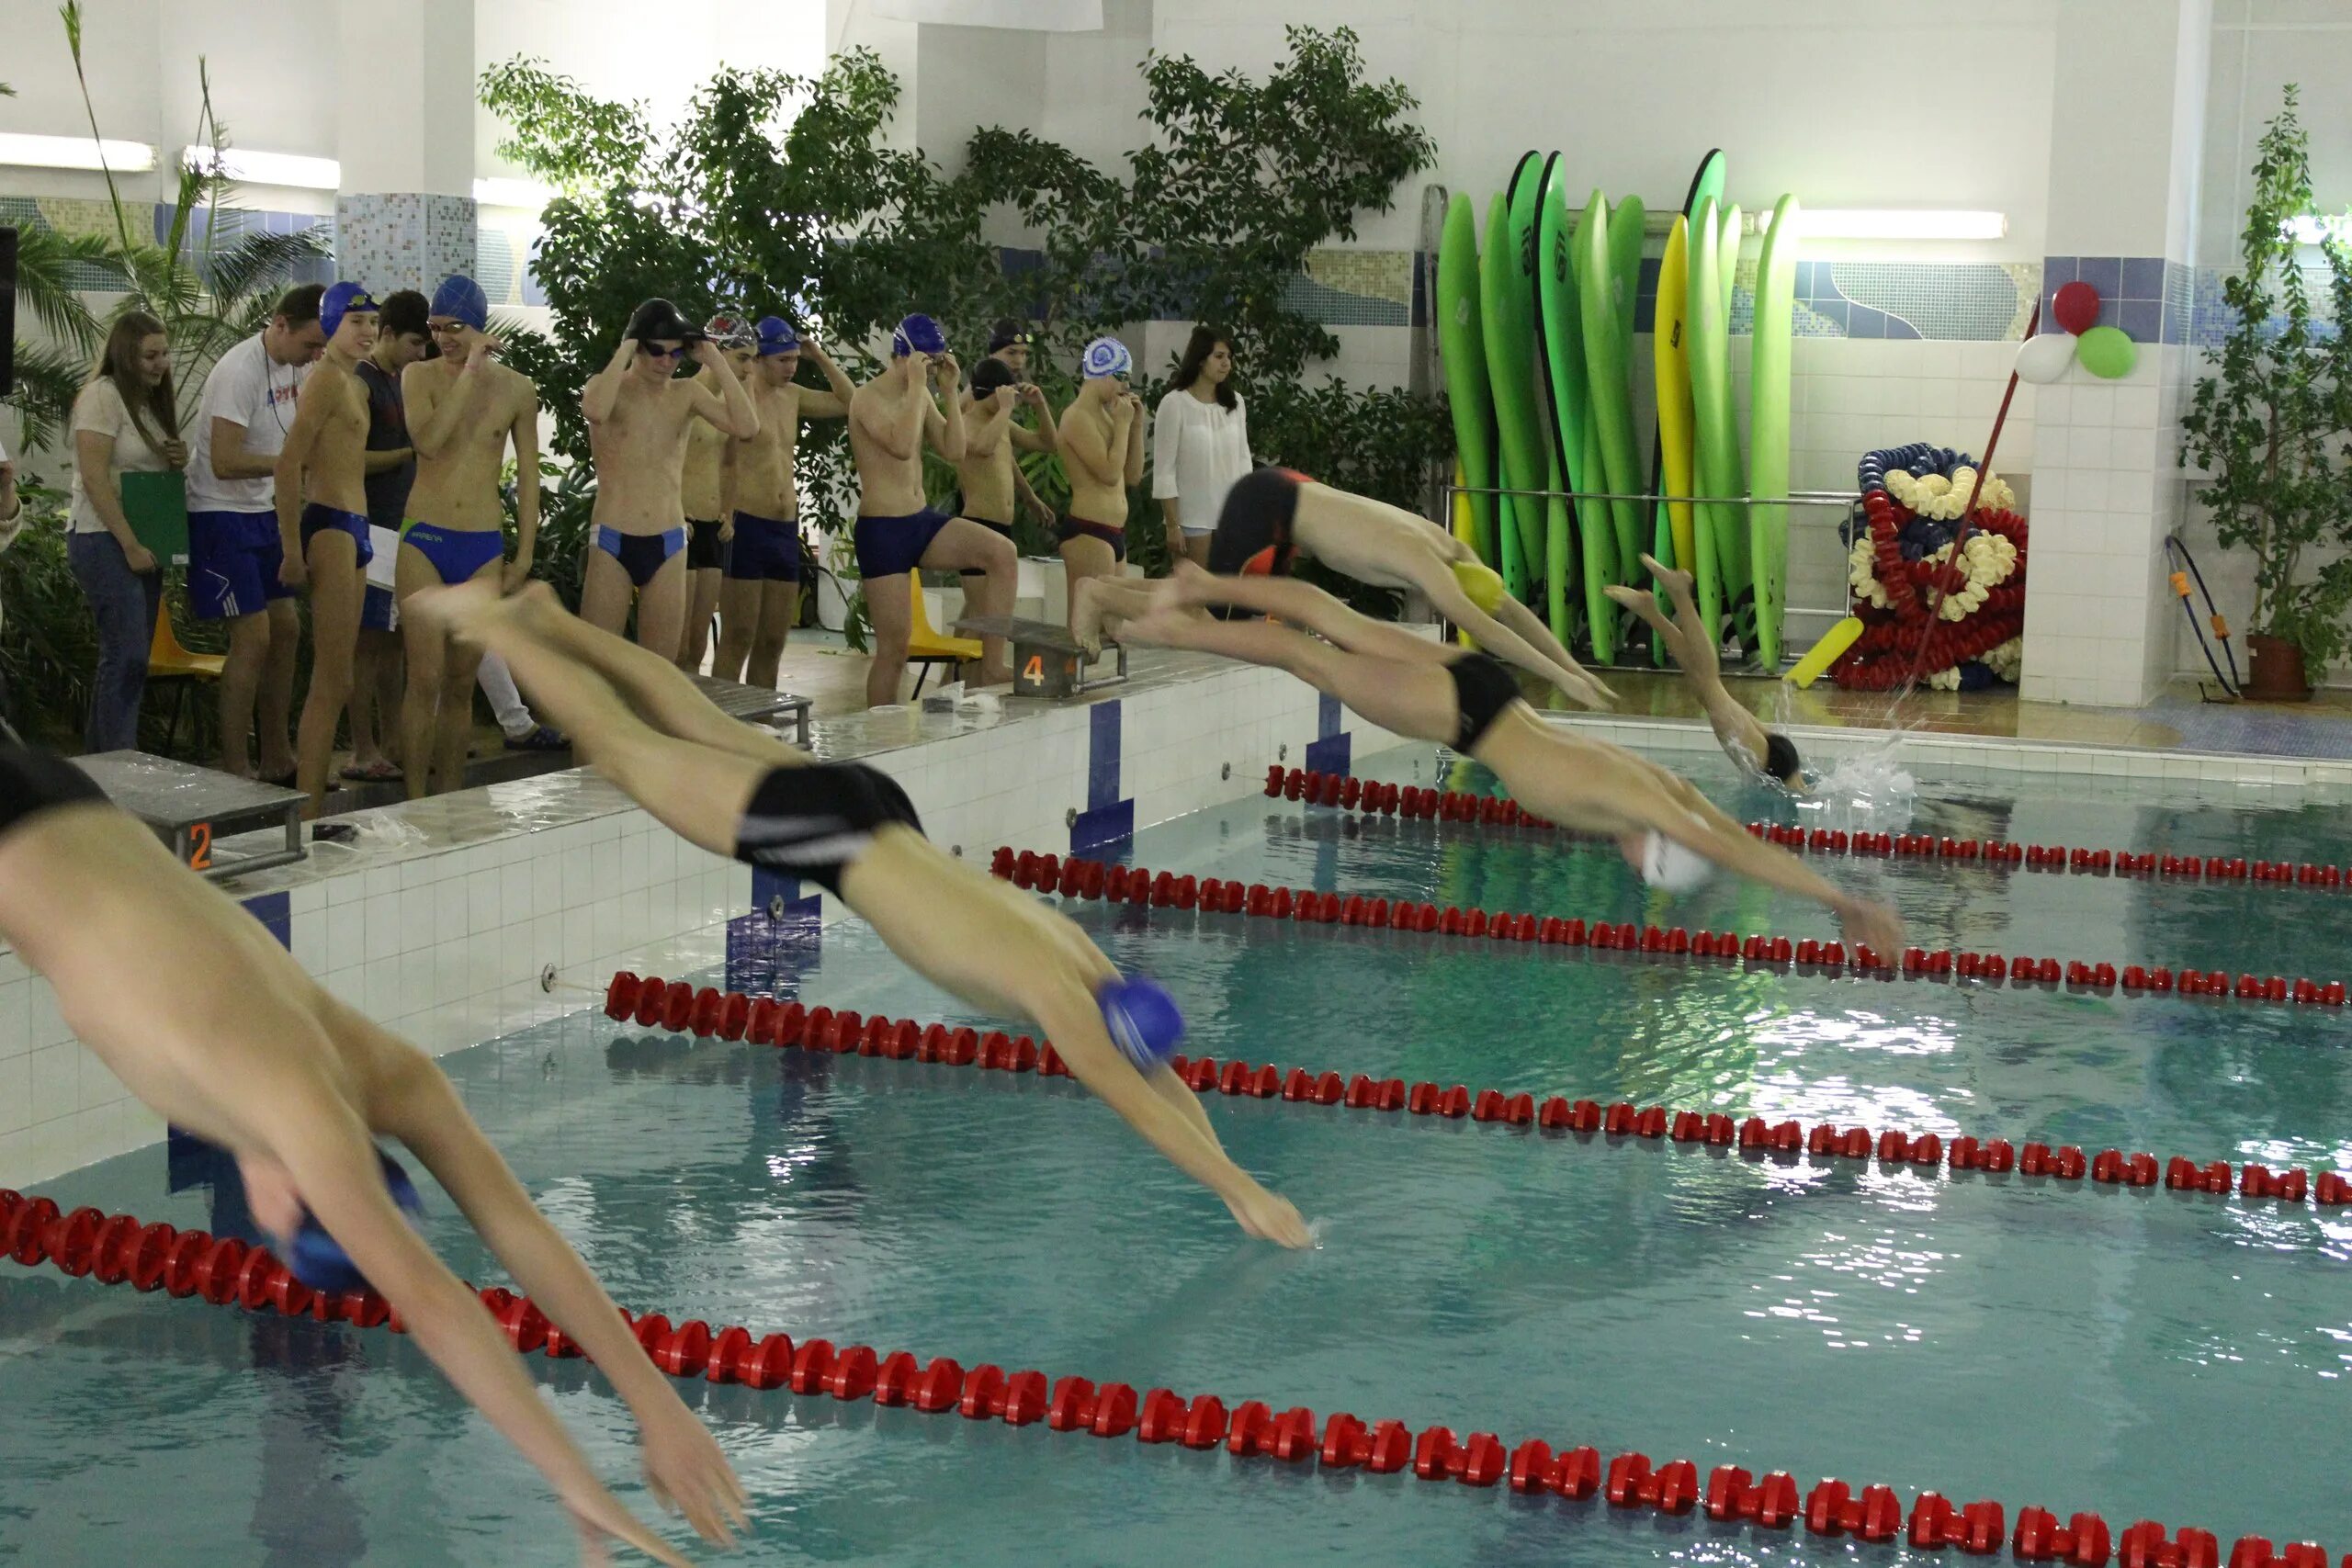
<point x="444" y="942"/>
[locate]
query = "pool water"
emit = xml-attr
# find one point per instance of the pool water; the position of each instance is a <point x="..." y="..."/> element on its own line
<point x="2138" y="1353"/>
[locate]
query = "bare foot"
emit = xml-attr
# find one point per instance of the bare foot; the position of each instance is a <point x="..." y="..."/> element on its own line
<point x="1166" y="626"/>
<point x="1672" y="580"/>
<point x="1086" y="617"/>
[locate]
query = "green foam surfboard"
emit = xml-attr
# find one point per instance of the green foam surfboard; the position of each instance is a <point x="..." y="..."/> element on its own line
<point x="1708" y="329"/>
<point x="1594" y="553"/>
<point x="1511" y="373"/>
<point x="1671" y="470"/>
<point x="1462" y="344"/>
<point x="1768" y="426"/>
<point x="1608" y="396"/>
<point x="1559" y="357"/>
<point x="1740" y="586"/>
<point x="1542" y="517"/>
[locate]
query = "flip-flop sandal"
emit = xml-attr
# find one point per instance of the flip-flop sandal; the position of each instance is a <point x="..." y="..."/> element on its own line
<point x="543" y="739"/>
<point x="333" y="832"/>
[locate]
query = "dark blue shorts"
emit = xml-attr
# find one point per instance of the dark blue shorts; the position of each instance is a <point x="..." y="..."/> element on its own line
<point x="764" y="550"/>
<point x="318" y="518"/>
<point x="889" y="546"/>
<point x="234" y="560"/>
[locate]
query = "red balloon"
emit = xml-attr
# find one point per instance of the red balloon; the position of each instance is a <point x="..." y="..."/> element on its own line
<point x="2076" y="307"/>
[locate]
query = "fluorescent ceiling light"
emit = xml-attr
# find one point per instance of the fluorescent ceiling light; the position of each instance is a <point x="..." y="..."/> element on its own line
<point x="24" y="152"/>
<point x="513" y="193"/>
<point x="1899" y="224"/>
<point x="249" y="167"/>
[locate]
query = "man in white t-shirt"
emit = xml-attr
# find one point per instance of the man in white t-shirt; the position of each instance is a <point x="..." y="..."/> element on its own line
<point x="235" y="567"/>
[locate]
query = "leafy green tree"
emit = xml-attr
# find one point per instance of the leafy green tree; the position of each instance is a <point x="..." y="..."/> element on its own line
<point x="778" y="193"/>
<point x="2271" y="426"/>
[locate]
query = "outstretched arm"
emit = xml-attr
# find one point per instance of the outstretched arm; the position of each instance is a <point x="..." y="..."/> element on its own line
<point x="326" y="1152"/>
<point x="427" y="1115"/>
<point x="1740" y="732"/>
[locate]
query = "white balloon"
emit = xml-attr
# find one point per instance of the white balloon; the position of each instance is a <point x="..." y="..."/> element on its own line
<point x="2043" y="358"/>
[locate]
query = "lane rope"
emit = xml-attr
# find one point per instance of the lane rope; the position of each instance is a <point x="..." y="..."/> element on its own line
<point x="680" y="1006"/>
<point x="1346" y="792"/>
<point x="116" y="1249"/>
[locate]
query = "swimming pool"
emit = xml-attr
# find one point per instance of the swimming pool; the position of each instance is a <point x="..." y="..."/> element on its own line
<point x="2137" y="1352"/>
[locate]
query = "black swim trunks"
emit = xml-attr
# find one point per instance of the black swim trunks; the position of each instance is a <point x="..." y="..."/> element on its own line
<point x="33" y="780"/>
<point x="705" y="550"/>
<point x="1253" y="527"/>
<point x="1482" y="690"/>
<point x="814" y="821"/>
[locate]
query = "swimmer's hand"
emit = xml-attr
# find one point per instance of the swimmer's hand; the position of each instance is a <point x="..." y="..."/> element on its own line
<point x="600" y="1519"/>
<point x="1875" y="925"/>
<point x="689" y="1475"/>
<point x="1584" y="689"/>
<point x="1270" y="1217"/>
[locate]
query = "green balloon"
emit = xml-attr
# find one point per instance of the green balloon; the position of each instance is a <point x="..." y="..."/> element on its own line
<point x="2106" y="351"/>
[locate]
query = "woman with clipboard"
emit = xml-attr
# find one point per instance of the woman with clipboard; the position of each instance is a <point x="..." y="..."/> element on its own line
<point x="125" y="424"/>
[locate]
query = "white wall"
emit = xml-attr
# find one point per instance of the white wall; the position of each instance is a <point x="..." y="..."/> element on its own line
<point x="1808" y="95"/>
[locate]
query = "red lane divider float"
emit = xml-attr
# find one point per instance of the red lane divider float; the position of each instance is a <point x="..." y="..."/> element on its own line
<point x="118" y="1249"/>
<point x="679" y="1006"/>
<point x="1349" y="792"/>
<point x="1087" y="879"/>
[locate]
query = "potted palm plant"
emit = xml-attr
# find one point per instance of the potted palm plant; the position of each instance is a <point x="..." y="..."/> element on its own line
<point x="2267" y="427"/>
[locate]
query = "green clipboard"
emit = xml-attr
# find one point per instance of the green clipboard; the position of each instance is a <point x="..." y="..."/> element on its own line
<point x="155" y="506"/>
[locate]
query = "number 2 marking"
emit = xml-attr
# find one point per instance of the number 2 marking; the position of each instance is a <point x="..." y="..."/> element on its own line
<point x="199" y="847"/>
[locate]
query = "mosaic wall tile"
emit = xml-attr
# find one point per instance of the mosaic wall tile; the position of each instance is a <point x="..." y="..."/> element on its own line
<point x="404" y="239"/>
<point x="77" y="216"/>
<point x="1373" y="275"/>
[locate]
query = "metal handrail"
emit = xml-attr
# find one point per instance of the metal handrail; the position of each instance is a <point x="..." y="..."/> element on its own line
<point x="1846" y="500"/>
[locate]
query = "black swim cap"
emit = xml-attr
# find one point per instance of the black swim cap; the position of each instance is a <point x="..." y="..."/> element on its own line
<point x="1780" y="758"/>
<point x="658" y="320"/>
<point x="1007" y="332"/>
<point x="990" y="374"/>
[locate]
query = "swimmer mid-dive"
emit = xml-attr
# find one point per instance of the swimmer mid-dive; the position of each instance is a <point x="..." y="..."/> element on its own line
<point x="1743" y="735"/>
<point x="1464" y="699"/>
<point x="208" y="1020"/>
<point x="741" y="791"/>
<point x="1272" y="516"/>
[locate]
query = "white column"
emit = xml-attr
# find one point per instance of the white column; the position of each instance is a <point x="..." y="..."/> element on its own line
<point x="2127" y="127"/>
<point x="406" y="143"/>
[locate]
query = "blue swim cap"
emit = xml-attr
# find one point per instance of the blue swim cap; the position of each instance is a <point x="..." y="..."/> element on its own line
<point x="1105" y="356"/>
<point x="1143" y="1020"/>
<point x="340" y="300"/>
<point x="461" y="296"/>
<point x="776" y="336"/>
<point x="917" y="334"/>
<point x="320" y="1261"/>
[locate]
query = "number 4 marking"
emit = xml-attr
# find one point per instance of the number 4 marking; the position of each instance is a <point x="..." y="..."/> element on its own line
<point x="199" y="847"/>
<point x="1035" y="670"/>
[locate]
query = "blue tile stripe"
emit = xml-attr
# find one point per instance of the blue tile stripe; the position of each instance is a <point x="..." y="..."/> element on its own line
<point x="1109" y="819"/>
<point x="2150" y="298"/>
<point x="1102" y="744"/>
<point x="1332" y="750"/>
<point x="276" y="912"/>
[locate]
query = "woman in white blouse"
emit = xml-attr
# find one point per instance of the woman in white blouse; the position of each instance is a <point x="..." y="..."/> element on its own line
<point x="126" y="421"/>
<point x="1200" y="444"/>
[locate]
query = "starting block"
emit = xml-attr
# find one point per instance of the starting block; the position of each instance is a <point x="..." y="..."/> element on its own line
<point x="191" y="807"/>
<point x="1047" y="662"/>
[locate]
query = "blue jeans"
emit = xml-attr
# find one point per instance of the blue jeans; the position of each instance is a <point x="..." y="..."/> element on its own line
<point x="125" y="605"/>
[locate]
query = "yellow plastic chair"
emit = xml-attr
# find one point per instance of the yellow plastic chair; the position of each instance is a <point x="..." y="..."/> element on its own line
<point x="168" y="661"/>
<point x="926" y="646"/>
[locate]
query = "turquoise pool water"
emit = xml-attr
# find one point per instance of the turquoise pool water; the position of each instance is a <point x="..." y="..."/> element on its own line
<point x="2138" y="1353"/>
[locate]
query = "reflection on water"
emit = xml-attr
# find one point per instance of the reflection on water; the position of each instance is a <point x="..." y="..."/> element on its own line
<point x="2002" y="1337"/>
